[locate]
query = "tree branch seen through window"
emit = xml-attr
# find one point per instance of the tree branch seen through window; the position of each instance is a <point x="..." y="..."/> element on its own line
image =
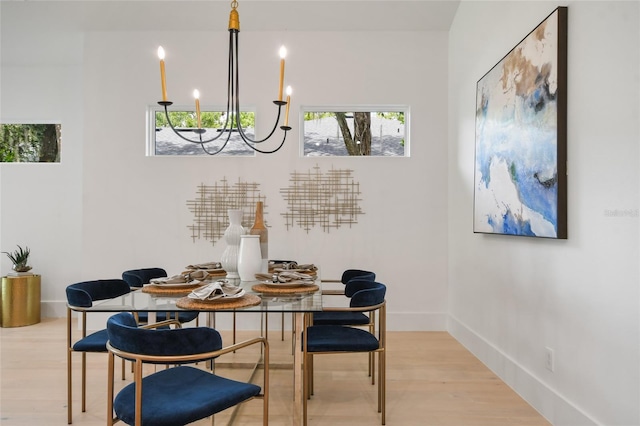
<point x="30" y="143"/>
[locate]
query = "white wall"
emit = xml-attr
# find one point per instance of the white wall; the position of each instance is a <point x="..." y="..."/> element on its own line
<point x="42" y="203"/>
<point x="509" y="298"/>
<point x="106" y="207"/>
<point x="129" y="210"/>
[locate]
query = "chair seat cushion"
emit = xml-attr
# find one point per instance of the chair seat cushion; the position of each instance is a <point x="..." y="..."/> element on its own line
<point x="181" y="395"/>
<point x="340" y="318"/>
<point x="336" y="338"/>
<point x="95" y="342"/>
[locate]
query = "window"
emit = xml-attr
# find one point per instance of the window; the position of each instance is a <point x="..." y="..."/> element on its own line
<point x="30" y="143"/>
<point x="163" y="141"/>
<point x="355" y="131"/>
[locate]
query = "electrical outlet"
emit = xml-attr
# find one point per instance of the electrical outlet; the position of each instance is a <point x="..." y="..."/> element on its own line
<point x="549" y="361"/>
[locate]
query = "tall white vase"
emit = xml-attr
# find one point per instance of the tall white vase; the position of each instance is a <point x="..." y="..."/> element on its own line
<point x="232" y="236"/>
<point x="249" y="258"/>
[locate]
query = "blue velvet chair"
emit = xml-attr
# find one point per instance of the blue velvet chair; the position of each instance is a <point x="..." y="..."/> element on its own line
<point x="181" y="394"/>
<point x="136" y="278"/>
<point x="366" y="297"/>
<point x="82" y="295"/>
<point x="348" y="318"/>
<point x="345" y="318"/>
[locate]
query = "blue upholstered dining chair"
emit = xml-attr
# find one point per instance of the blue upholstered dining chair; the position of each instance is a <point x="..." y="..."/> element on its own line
<point x="348" y="317"/>
<point x="136" y="278"/>
<point x="82" y="295"/>
<point x="345" y="318"/>
<point x="367" y="297"/>
<point x="181" y="394"/>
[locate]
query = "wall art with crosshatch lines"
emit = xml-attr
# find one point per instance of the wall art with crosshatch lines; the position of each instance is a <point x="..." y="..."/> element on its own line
<point x="209" y="208"/>
<point x="329" y="200"/>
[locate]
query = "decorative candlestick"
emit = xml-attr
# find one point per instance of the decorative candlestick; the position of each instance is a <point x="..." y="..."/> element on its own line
<point x="163" y="79"/>
<point x="283" y="54"/>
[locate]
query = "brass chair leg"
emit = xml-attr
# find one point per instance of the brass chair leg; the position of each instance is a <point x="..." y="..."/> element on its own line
<point x="69" y="350"/>
<point x="84" y="365"/>
<point x="110" y="390"/>
<point x="84" y="382"/>
<point x="293" y="330"/>
<point x="311" y="375"/>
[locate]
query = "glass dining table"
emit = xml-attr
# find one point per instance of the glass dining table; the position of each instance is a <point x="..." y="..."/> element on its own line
<point x="298" y="304"/>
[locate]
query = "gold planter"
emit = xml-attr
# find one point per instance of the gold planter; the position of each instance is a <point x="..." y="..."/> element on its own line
<point x="20" y="300"/>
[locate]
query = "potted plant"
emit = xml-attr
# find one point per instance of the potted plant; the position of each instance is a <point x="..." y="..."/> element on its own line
<point x="20" y="292"/>
<point x="19" y="258"/>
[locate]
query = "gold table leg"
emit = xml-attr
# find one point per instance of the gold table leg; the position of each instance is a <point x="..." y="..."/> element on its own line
<point x="298" y="393"/>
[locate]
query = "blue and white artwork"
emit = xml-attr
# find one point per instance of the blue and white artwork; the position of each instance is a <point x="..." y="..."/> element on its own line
<point x="518" y="178"/>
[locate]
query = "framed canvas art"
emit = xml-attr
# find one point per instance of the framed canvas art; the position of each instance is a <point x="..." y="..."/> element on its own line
<point x="521" y="137"/>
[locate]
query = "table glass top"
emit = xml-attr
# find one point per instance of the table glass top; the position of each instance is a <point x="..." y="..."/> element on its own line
<point x="138" y="300"/>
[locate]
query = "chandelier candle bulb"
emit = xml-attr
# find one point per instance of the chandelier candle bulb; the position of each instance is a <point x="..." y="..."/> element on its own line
<point x="283" y="54"/>
<point x="196" y="94"/>
<point x="162" y="74"/>
<point x="286" y="111"/>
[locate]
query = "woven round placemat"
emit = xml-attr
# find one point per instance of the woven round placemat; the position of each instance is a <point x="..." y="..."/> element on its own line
<point x="240" y="302"/>
<point x="160" y="290"/>
<point x="297" y="289"/>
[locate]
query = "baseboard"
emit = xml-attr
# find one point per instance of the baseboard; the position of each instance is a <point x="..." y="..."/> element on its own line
<point x="549" y="403"/>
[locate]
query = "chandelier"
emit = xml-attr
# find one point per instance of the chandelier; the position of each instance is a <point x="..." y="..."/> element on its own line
<point x="232" y="122"/>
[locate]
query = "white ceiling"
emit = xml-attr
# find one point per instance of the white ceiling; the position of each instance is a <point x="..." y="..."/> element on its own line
<point x="255" y="15"/>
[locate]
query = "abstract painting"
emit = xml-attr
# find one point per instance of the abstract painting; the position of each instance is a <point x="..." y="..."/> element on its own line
<point x="521" y="137"/>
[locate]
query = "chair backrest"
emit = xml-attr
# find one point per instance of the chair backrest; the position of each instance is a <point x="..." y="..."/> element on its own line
<point x="366" y="293"/>
<point x="83" y="294"/>
<point x="350" y="274"/>
<point x="139" y="277"/>
<point x="125" y="335"/>
<point x="349" y="290"/>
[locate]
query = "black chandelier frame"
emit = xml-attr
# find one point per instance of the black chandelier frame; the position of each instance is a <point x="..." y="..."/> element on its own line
<point x="233" y="109"/>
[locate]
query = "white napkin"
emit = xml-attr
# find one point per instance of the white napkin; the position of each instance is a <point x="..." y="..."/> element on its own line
<point x="287" y="276"/>
<point x="176" y="279"/>
<point x="307" y="267"/>
<point x="291" y="277"/>
<point x="217" y="290"/>
<point x="210" y="265"/>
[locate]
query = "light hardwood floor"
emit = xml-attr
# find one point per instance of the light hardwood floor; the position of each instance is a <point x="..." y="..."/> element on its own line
<point x="431" y="380"/>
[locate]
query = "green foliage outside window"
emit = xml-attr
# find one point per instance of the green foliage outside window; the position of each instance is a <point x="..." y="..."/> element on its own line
<point x="209" y="119"/>
<point x="30" y="143"/>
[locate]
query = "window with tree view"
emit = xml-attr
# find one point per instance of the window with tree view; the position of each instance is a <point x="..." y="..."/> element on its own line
<point x="164" y="141"/>
<point x="380" y="132"/>
<point x="30" y="143"/>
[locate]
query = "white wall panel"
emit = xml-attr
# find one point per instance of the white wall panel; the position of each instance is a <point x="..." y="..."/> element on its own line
<point x="510" y="297"/>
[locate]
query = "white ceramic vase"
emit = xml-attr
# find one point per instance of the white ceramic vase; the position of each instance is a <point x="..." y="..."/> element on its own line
<point x="249" y="258"/>
<point x="232" y="236"/>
